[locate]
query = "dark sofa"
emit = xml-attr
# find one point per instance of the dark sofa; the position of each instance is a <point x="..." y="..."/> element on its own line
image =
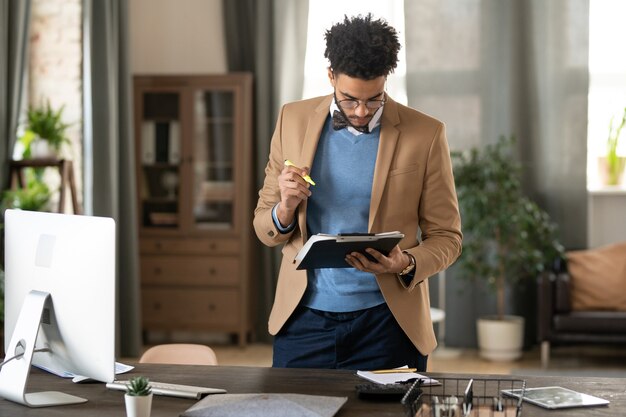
<point x="559" y="325"/>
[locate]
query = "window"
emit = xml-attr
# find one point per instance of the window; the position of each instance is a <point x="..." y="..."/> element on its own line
<point x="607" y="80"/>
<point x="54" y="76"/>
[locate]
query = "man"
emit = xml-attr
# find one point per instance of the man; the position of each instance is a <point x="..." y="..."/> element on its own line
<point x="378" y="166"/>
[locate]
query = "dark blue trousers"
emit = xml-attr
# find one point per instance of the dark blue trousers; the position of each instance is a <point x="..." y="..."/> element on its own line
<point x="365" y="340"/>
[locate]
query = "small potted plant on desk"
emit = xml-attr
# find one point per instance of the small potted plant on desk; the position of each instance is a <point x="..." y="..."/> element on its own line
<point x="138" y="397"/>
<point x="507" y="238"/>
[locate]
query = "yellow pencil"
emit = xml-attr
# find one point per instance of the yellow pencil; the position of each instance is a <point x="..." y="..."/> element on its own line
<point x="394" y="371"/>
<point x="305" y="177"/>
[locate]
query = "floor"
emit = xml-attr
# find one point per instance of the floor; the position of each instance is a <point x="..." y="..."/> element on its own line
<point x="584" y="360"/>
<point x="571" y="359"/>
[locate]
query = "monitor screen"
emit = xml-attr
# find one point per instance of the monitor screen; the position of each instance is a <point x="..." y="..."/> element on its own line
<point x="71" y="258"/>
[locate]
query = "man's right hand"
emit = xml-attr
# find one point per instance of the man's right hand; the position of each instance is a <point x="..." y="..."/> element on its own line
<point x="293" y="190"/>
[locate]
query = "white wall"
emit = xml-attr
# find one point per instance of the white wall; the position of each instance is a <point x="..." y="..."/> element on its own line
<point x="176" y="37"/>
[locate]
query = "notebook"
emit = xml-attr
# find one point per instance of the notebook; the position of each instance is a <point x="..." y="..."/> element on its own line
<point x="266" y="405"/>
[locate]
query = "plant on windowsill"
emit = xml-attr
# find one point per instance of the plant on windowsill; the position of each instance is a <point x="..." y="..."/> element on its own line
<point x="613" y="164"/>
<point x="138" y="397"/>
<point x="45" y="132"/>
<point x="507" y="237"/>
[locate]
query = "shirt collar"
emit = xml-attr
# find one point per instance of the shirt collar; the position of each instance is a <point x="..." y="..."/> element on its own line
<point x="375" y="122"/>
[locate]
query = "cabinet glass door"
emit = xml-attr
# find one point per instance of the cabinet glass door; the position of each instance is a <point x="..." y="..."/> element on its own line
<point x="160" y="159"/>
<point x="213" y="187"/>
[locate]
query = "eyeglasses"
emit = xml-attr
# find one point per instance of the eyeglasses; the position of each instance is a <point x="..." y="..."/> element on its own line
<point x="351" y="104"/>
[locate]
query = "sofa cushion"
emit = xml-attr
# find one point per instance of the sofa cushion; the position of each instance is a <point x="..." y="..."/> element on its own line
<point x="598" y="278"/>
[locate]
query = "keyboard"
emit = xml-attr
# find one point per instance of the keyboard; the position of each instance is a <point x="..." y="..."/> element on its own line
<point x="171" y="390"/>
<point x="382" y="392"/>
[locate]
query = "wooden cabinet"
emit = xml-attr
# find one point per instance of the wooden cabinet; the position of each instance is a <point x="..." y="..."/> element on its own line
<point x="194" y="180"/>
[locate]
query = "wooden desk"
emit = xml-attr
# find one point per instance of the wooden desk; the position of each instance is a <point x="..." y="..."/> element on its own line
<point x="104" y="402"/>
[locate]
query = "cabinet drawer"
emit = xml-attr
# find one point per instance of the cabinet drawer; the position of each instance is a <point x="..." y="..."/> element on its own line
<point x="189" y="270"/>
<point x="189" y="246"/>
<point x="190" y="309"/>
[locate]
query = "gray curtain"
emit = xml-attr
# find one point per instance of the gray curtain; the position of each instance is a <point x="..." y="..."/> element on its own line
<point x="267" y="38"/>
<point x="109" y="151"/>
<point x="14" y="29"/>
<point x="489" y="68"/>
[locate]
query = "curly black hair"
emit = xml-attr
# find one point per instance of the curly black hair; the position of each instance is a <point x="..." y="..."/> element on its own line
<point x="361" y="47"/>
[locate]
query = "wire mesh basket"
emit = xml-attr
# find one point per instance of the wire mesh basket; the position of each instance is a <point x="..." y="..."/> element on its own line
<point x="464" y="397"/>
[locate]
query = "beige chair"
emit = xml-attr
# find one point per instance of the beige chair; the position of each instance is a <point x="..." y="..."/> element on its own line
<point x="180" y="354"/>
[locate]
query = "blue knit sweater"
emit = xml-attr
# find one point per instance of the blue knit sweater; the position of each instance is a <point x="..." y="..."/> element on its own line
<point x="343" y="169"/>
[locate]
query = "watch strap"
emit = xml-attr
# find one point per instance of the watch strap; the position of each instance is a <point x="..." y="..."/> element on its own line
<point x="411" y="265"/>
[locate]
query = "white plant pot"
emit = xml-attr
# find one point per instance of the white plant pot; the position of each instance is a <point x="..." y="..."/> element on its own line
<point x="138" y="406"/>
<point x="500" y="340"/>
<point x="605" y="177"/>
<point x="41" y="149"/>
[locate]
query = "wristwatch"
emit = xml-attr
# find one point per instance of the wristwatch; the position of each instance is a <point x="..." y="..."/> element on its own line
<point x="411" y="266"/>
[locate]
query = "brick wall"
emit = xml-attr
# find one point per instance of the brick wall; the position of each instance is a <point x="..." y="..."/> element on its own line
<point x="55" y="72"/>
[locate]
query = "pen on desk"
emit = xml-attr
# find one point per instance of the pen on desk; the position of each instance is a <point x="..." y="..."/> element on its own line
<point x="394" y="371"/>
<point x="305" y="177"/>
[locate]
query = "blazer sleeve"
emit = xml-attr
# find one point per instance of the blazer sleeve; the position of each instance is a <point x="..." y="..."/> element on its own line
<point x="439" y="218"/>
<point x="269" y="195"/>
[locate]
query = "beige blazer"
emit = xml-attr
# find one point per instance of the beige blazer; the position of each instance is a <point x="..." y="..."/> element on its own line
<point x="413" y="188"/>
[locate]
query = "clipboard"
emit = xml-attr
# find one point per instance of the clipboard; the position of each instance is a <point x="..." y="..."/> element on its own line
<point x="329" y="251"/>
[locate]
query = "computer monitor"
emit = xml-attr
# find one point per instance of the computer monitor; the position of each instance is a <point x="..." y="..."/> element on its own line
<point x="59" y="291"/>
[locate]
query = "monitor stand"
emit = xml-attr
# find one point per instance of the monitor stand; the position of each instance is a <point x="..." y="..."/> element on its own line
<point x="14" y="374"/>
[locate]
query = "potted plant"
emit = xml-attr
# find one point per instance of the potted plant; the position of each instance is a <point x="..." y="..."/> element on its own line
<point x="2" y="310"/>
<point x="507" y="237"/>
<point x="33" y="197"/>
<point x="612" y="166"/>
<point x="45" y="132"/>
<point x="138" y="397"/>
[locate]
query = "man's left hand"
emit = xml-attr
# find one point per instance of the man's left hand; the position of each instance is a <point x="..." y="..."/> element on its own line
<point x="394" y="263"/>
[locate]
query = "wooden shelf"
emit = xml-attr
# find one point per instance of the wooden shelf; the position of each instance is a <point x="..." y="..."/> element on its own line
<point x="195" y="229"/>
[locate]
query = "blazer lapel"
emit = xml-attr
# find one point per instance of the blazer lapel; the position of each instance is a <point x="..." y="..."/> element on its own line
<point x="314" y="130"/>
<point x="386" y="147"/>
<point x="309" y="146"/>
